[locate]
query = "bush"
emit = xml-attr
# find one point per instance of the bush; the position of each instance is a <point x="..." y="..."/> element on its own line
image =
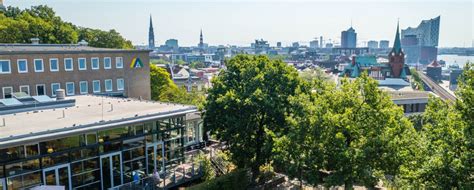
<point x="238" y="179"/>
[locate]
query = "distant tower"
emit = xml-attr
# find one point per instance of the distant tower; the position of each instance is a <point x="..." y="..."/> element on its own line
<point x="151" y="36"/>
<point x="321" y="42"/>
<point x="201" y="41"/>
<point x="397" y="57"/>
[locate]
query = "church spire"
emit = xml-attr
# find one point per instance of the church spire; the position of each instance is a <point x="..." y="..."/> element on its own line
<point x="151" y="35"/>
<point x="201" y="40"/>
<point x="397" y="46"/>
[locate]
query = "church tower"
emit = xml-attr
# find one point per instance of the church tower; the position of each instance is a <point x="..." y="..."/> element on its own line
<point x="151" y="36"/>
<point x="396" y="57"/>
<point x="201" y="43"/>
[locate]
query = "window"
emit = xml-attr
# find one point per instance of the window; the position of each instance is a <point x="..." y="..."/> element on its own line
<point x="82" y="64"/>
<point x="25" y="89"/>
<point x="96" y="86"/>
<point x="5" y="66"/>
<point x="70" y="88"/>
<point x="107" y="63"/>
<point x="119" y="62"/>
<point x="53" y="64"/>
<point x="120" y="84"/>
<point x="68" y="64"/>
<point x="40" y="90"/>
<point x="83" y="87"/>
<point x="22" y="65"/>
<point x="39" y="65"/>
<point x="95" y="63"/>
<point x="108" y="85"/>
<point x="7" y="92"/>
<point x="54" y="87"/>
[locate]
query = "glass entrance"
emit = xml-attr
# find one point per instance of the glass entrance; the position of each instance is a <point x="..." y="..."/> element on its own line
<point x="58" y="176"/>
<point x="111" y="170"/>
<point x="154" y="157"/>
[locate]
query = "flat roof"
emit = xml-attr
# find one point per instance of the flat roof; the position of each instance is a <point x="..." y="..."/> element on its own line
<point x="86" y="115"/>
<point x="6" y="49"/>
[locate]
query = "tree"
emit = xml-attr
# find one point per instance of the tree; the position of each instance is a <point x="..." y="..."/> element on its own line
<point x="351" y="134"/>
<point x="19" y="26"/>
<point x="164" y="89"/>
<point x="448" y="132"/>
<point x="197" y="65"/>
<point x="248" y="104"/>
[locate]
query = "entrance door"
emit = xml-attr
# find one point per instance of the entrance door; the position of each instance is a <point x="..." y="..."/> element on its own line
<point x="154" y="157"/>
<point x="40" y="89"/>
<point x="111" y="170"/>
<point x="58" y="175"/>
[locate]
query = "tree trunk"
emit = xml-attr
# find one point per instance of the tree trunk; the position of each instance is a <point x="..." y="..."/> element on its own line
<point x="258" y="154"/>
<point x="348" y="185"/>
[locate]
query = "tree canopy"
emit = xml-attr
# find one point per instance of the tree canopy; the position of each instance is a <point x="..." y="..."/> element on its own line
<point x="248" y="104"/>
<point x="164" y="89"/>
<point x="19" y="26"/>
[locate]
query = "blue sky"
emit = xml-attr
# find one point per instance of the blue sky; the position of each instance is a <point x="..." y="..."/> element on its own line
<point x="241" y="22"/>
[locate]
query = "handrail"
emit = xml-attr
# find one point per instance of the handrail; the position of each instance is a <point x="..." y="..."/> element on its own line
<point x="181" y="174"/>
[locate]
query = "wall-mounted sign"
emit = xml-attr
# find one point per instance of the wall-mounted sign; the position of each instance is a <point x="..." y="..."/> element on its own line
<point x="136" y="63"/>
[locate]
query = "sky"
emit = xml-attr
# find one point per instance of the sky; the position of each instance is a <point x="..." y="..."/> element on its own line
<point x="234" y="22"/>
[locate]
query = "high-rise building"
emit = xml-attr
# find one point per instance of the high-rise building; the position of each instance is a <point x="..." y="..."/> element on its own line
<point x="172" y="43"/>
<point x="321" y="41"/>
<point x="421" y="43"/>
<point x="151" y="36"/>
<point x="372" y="44"/>
<point x="314" y="44"/>
<point x="383" y="44"/>
<point x="349" y="38"/>
<point x="396" y="57"/>
<point x="295" y="45"/>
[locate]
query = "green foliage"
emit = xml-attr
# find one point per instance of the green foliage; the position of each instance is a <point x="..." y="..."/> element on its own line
<point x="208" y="171"/>
<point x="235" y="180"/>
<point x="19" y="26"/>
<point x="314" y="74"/>
<point x="354" y="132"/>
<point x="197" y="65"/>
<point x="165" y="90"/>
<point x="417" y="82"/>
<point x="248" y="104"/>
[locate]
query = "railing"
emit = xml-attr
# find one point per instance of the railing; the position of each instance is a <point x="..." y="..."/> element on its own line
<point x="179" y="175"/>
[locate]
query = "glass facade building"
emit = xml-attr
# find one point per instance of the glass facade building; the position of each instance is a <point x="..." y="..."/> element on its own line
<point x="97" y="160"/>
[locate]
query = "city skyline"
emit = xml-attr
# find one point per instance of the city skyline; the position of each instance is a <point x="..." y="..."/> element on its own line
<point x="240" y="23"/>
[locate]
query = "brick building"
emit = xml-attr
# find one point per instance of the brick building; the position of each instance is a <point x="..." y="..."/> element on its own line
<point x="41" y="69"/>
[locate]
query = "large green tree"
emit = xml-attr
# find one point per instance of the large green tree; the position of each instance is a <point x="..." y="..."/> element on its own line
<point x="248" y="105"/>
<point x="448" y="133"/>
<point x="19" y="26"/>
<point x="351" y="134"/>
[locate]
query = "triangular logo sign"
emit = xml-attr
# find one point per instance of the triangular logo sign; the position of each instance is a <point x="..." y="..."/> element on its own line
<point x="136" y="63"/>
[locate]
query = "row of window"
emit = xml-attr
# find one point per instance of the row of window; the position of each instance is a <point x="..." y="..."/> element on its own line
<point x="22" y="64"/>
<point x="70" y="88"/>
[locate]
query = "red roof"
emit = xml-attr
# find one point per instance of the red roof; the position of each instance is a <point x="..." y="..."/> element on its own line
<point x="434" y="64"/>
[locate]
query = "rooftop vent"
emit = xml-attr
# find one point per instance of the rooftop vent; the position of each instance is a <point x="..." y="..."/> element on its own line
<point x="60" y="94"/>
<point x="83" y="43"/>
<point x="35" y="41"/>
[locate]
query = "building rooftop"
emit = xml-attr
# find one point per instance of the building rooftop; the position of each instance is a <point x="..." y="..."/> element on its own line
<point x="6" y="49"/>
<point x="88" y="114"/>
